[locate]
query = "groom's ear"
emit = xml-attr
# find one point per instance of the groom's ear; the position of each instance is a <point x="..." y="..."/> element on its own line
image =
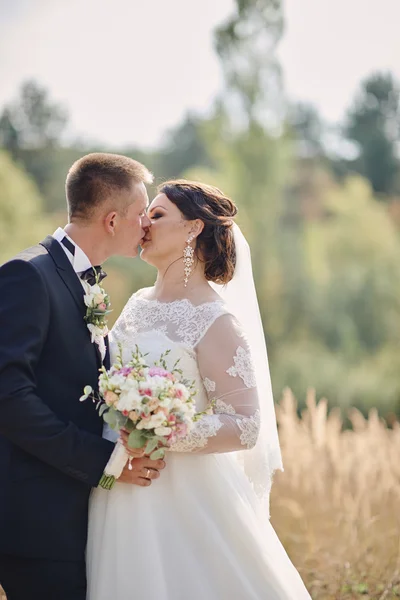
<point x="110" y="222"/>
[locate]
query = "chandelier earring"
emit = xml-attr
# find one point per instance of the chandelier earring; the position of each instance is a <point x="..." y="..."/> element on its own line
<point x="188" y="260"/>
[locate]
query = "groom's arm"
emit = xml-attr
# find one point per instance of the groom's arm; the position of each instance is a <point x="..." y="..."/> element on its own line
<point x="25" y="420"/>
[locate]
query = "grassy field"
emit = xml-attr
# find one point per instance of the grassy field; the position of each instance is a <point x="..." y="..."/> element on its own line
<point x="336" y="507"/>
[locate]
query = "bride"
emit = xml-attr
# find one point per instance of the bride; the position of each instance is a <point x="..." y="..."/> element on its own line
<point x="202" y="531"/>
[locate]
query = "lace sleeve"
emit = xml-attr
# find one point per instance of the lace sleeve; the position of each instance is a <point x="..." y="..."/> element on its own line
<point x="228" y="376"/>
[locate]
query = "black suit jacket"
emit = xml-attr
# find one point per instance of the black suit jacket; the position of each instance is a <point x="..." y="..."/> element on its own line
<point x="51" y="450"/>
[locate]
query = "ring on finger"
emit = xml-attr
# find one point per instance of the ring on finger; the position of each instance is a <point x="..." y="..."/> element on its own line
<point x="148" y="474"/>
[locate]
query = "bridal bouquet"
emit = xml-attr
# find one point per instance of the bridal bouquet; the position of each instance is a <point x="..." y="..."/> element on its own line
<point x="155" y="405"/>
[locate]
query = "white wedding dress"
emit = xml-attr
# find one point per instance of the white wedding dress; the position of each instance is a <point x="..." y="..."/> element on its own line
<point x="199" y="532"/>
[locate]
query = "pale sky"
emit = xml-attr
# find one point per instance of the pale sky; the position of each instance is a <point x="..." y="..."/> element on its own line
<point x="127" y="70"/>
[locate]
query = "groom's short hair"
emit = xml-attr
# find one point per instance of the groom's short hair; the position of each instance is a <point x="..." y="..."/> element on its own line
<point x="94" y="178"/>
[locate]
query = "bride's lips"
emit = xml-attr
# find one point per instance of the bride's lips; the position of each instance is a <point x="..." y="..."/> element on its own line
<point x="144" y="241"/>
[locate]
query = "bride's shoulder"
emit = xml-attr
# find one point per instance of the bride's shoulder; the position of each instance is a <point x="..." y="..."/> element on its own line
<point x="143" y="293"/>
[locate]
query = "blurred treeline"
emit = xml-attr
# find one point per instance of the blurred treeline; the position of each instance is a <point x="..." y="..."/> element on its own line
<point x="319" y="204"/>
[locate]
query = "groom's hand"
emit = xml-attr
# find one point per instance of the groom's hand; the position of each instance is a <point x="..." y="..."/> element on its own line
<point x="143" y="471"/>
<point x="134" y="452"/>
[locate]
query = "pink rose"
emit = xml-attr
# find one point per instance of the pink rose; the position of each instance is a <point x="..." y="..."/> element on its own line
<point x="133" y="416"/>
<point x="178" y="394"/>
<point x="102" y="306"/>
<point x="172" y="438"/>
<point x="124" y="371"/>
<point x="110" y="397"/>
<point x="153" y="403"/>
<point x="145" y="391"/>
<point x="181" y="430"/>
<point x="154" y="371"/>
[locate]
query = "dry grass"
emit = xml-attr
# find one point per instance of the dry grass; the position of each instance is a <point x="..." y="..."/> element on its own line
<point x="336" y="507"/>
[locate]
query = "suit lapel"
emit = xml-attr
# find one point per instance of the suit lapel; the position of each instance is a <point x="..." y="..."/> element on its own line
<point x="65" y="270"/>
<point x="71" y="280"/>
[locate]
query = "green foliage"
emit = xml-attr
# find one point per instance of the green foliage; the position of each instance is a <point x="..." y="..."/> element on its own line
<point x="344" y="336"/>
<point x="22" y="221"/>
<point x="185" y="146"/>
<point x="373" y="124"/>
<point x="325" y="253"/>
<point x="246" y="44"/>
<point x="30" y="130"/>
<point x="307" y="127"/>
<point x="33" y="120"/>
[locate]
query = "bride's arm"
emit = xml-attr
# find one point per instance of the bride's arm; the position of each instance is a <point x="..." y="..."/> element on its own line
<point x="226" y="367"/>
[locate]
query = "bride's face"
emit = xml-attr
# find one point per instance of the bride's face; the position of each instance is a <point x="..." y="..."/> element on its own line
<point x="165" y="240"/>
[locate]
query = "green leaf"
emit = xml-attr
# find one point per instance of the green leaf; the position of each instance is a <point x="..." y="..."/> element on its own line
<point x="160" y="453"/>
<point x="87" y="390"/>
<point x="151" y="445"/>
<point x="120" y="420"/>
<point x="136" y="439"/>
<point x="102" y="409"/>
<point x="129" y="426"/>
<point x="162" y="440"/>
<point x="110" y="418"/>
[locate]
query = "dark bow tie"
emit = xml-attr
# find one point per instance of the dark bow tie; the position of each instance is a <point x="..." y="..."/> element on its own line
<point x="90" y="275"/>
<point x="93" y="275"/>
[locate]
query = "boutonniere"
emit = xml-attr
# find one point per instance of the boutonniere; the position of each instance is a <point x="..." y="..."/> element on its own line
<point x="98" y="304"/>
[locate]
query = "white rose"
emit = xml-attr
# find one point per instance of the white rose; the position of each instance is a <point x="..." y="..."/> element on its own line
<point x="98" y="298"/>
<point x="128" y="383"/>
<point x="167" y="403"/>
<point x="156" y="420"/>
<point x="183" y="389"/>
<point x="95" y="289"/>
<point x="117" y="381"/>
<point x="128" y="400"/>
<point x="124" y="403"/>
<point x="163" y="431"/>
<point x="88" y="299"/>
<point x="158" y="383"/>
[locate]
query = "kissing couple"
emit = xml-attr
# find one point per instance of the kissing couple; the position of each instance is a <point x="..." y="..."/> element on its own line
<point x="195" y="525"/>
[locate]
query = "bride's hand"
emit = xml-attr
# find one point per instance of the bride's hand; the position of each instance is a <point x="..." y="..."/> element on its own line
<point x="142" y="472"/>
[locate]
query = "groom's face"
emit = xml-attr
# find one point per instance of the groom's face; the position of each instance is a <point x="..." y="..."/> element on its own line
<point x="132" y="222"/>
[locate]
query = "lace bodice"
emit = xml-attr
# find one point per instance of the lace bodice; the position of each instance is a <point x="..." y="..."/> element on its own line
<point x="180" y="320"/>
<point x="212" y="351"/>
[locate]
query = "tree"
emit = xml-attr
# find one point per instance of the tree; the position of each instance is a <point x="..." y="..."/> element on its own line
<point x="30" y="130"/>
<point x="22" y="221"/>
<point x="344" y="334"/>
<point x="307" y="128"/>
<point x="373" y="124"/>
<point x="35" y="122"/>
<point x="246" y="45"/>
<point x="184" y="147"/>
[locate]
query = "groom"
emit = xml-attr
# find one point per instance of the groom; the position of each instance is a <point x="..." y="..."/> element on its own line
<point x="51" y="449"/>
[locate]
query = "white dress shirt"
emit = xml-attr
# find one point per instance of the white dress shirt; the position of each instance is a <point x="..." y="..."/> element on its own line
<point x="79" y="260"/>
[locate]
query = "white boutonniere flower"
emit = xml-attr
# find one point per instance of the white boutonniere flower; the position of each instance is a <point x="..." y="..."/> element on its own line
<point x="98" y="304"/>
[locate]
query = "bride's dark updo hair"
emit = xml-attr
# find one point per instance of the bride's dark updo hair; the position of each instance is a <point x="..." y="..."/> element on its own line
<point x="215" y="243"/>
